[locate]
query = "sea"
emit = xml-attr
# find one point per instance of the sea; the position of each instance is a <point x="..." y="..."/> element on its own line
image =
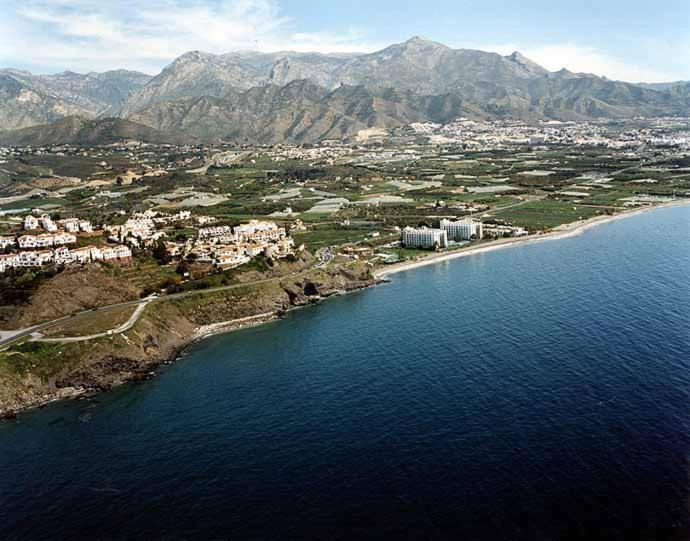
<point x="539" y="392"/>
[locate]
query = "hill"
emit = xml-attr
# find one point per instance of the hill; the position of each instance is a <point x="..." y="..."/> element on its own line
<point x="80" y="131"/>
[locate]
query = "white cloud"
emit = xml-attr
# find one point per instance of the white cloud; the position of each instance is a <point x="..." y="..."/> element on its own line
<point x="84" y="35"/>
<point x="92" y="35"/>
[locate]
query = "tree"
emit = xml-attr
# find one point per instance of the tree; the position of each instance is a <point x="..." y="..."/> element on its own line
<point x="160" y="253"/>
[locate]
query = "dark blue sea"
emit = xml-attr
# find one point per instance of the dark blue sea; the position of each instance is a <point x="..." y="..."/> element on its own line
<point x="540" y="392"/>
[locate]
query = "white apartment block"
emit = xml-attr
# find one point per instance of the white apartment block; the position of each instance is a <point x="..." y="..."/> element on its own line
<point x="85" y="226"/>
<point x="63" y="256"/>
<point x="219" y="231"/>
<point x="60" y="239"/>
<point x="462" y="229"/>
<point x="424" y="237"/>
<point x="45" y="240"/>
<point x="259" y="231"/>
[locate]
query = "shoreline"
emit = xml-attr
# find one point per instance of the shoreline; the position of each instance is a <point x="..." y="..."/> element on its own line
<point x="561" y="232"/>
<point x="379" y="276"/>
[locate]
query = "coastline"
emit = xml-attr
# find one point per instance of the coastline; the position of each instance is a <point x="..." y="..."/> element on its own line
<point x="146" y="365"/>
<point x="561" y="232"/>
<point x="164" y="343"/>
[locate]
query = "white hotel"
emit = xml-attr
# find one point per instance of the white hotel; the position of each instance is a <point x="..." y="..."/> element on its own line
<point x="424" y="237"/>
<point x="462" y="229"/>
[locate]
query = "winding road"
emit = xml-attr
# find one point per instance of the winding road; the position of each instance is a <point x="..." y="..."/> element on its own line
<point x="10" y="337"/>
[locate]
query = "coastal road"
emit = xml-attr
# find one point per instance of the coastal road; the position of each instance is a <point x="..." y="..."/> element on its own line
<point x="15" y="336"/>
<point x="122" y="328"/>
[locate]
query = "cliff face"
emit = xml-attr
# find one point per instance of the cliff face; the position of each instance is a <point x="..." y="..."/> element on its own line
<point x="34" y="373"/>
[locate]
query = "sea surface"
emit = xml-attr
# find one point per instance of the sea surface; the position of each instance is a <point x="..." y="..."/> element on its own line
<point x="540" y="392"/>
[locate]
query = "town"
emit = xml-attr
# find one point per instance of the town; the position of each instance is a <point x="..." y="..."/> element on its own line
<point x="182" y="213"/>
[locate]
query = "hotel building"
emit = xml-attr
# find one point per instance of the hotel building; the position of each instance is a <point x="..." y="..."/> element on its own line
<point x="462" y="229"/>
<point x="424" y="237"/>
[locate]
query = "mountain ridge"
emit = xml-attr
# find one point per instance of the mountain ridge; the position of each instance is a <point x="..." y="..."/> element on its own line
<point x="300" y="97"/>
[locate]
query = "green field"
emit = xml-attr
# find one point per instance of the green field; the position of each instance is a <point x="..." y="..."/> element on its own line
<point x="546" y="214"/>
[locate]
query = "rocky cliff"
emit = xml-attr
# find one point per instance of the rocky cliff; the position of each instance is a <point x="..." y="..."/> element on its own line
<point x="35" y="373"/>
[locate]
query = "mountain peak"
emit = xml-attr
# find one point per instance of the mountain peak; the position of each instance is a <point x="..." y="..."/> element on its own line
<point x="519" y="58"/>
<point x="194" y="56"/>
<point x="420" y="41"/>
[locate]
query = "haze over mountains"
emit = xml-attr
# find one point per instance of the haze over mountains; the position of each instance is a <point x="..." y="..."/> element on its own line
<point x="306" y="97"/>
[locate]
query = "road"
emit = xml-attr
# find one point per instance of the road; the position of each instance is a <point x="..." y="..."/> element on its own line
<point x="23" y="333"/>
<point x="122" y="328"/>
<point x="325" y="256"/>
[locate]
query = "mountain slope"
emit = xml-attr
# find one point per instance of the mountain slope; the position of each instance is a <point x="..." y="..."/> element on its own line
<point x="28" y="100"/>
<point x="419" y="65"/>
<point x="300" y="111"/>
<point x="80" y="131"/>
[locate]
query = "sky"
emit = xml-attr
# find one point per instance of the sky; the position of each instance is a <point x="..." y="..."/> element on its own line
<point x="629" y="40"/>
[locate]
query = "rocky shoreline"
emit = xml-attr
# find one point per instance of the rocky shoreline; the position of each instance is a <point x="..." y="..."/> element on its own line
<point x="165" y="333"/>
<point x="102" y="364"/>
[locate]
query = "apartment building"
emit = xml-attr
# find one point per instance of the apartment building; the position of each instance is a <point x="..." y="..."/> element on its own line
<point x="424" y="237"/>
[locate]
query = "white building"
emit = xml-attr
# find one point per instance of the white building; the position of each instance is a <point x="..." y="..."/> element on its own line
<point x="85" y="226"/>
<point x="45" y="240"/>
<point x="424" y="237"/>
<point x="60" y="239"/>
<point x="505" y="231"/>
<point x="7" y="241"/>
<point x="71" y="225"/>
<point x="48" y="224"/>
<point x="8" y="261"/>
<point x="30" y="222"/>
<point x="259" y="231"/>
<point x="462" y="229"/>
<point x="219" y="231"/>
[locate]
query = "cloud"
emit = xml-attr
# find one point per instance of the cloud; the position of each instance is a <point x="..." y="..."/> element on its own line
<point x="93" y="35"/>
<point x="86" y="35"/>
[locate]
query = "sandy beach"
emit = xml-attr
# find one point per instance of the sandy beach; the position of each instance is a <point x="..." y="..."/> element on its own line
<point x="560" y="232"/>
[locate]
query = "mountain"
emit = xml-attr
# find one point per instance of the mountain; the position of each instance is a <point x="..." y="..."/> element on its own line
<point x="28" y="100"/>
<point x="298" y="97"/>
<point x="419" y="65"/>
<point x="80" y="131"/>
<point x="299" y="111"/>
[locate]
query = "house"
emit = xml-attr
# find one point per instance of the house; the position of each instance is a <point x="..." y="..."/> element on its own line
<point x="60" y="239"/>
<point x="85" y="226"/>
<point x="71" y="225"/>
<point x="7" y="241"/>
<point x="48" y="224"/>
<point x="30" y="222"/>
<point x="119" y="253"/>
<point x="8" y="261"/>
<point x="62" y="255"/>
<point x="86" y="254"/>
<point x="27" y="241"/>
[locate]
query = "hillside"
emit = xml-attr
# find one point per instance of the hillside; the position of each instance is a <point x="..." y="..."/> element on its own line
<point x="29" y="100"/>
<point x="79" y="131"/>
